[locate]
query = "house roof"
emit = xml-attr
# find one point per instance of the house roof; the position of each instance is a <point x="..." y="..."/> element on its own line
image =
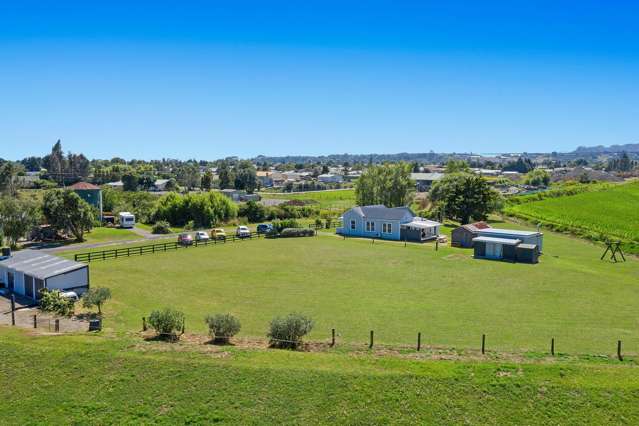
<point x="476" y="227"/>
<point x="426" y="176"/>
<point x="514" y="232"/>
<point x="503" y="241"/>
<point x="418" y="222"/>
<point x="84" y="186"/>
<point x="383" y="212"/>
<point x="40" y="265"/>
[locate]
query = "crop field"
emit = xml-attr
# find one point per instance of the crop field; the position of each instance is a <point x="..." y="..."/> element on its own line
<point x="338" y="199"/>
<point x="608" y="213"/>
<point x="355" y="286"/>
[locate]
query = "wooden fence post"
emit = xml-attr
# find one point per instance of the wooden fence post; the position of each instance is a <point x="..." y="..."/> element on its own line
<point x="619" y="350"/>
<point x="483" y="344"/>
<point x="371" y="345"/>
<point x="35" y="321"/>
<point x="57" y="325"/>
<point x="13" y="309"/>
<point x="143" y="323"/>
<point x="552" y="346"/>
<point x="419" y="341"/>
<point x="333" y="337"/>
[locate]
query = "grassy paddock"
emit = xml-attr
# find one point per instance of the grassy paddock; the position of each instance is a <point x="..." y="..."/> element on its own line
<point x="355" y="286"/>
<point x="610" y="212"/>
<point x="109" y="380"/>
<point x="337" y="199"/>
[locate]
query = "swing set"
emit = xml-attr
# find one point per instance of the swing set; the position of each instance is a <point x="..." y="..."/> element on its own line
<point x="614" y="247"/>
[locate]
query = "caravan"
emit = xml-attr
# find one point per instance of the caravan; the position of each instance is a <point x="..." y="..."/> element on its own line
<point x="127" y="220"/>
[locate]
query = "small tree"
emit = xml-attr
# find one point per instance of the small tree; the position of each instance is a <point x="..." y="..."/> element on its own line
<point x="287" y="332"/>
<point x="161" y="227"/>
<point x="96" y="297"/>
<point x="52" y="301"/>
<point x="66" y="211"/>
<point x="222" y="327"/>
<point x="167" y="323"/>
<point x="17" y="217"/>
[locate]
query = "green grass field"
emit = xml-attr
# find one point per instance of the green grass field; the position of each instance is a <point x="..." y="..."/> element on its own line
<point x="103" y="234"/>
<point x="94" y="379"/>
<point x="355" y="286"/>
<point x="339" y="199"/>
<point x="607" y="213"/>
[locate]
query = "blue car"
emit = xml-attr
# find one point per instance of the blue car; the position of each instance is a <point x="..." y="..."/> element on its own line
<point x="264" y="228"/>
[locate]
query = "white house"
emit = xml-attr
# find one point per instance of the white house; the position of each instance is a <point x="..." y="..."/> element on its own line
<point x="26" y="272"/>
<point x="397" y="223"/>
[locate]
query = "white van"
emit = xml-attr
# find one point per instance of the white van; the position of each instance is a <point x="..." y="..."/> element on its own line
<point x="127" y="220"/>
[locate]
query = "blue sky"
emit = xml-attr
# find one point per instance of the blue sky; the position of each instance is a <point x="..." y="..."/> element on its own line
<point x="210" y="79"/>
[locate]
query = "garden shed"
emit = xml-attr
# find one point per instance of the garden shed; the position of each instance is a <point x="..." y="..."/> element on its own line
<point x="463" y="235"/>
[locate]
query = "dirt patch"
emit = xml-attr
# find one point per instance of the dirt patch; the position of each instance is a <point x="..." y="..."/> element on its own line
<point x="455" y="256"/>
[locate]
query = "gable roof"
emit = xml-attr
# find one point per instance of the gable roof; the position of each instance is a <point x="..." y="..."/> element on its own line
<point x="83" y="186"/>
<point x="383" y="212"/>
<point x="476" y="227"/>
<point x="40" y="265"/>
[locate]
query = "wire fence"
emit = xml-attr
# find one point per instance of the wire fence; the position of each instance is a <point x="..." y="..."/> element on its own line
<point x="159" y="248"/>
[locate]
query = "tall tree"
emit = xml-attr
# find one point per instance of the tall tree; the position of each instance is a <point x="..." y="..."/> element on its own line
<point x="464" y="196"/>
<point x="9" y="178"/>
<point x="130" y="182"/>
<point x="67" y="212"/>
<point x="226" y="175"/>
<point x="388" y="184"/>
<point x="207" y="181"/>
<point x="55" y="163"/>
<point x="188" y="175"/>
<point x="245" y="176"/>
<point x="17" y="217"/>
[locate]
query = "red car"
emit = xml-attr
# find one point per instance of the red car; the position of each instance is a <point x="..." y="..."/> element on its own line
<point x="185" y="239"/>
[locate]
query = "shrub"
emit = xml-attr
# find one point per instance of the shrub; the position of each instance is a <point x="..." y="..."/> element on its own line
<point x="297" y="232"/>
<point x="287" y="332"/>
<point x="161" y="227"/>
<point x="167" y="323"/>
<point x="222" y="327"/>
<point x="189" y="226"/>
<point x="279" y="225"/>
<point x="318" y="222"/>
<point x="52" y="301"/>
<point x="96" y="297"/>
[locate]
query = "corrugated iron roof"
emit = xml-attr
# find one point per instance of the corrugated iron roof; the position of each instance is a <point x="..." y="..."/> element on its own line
<point x="39" y="265"/>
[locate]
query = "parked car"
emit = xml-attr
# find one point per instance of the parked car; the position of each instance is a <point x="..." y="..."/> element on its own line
<point x="242" y="232"/>
<point x="218" y="234"/>
<point x="185" y="239"/>
<point x="264" y="228"/>
<point x="201" y="236"/>
<point x="71" y="295"/>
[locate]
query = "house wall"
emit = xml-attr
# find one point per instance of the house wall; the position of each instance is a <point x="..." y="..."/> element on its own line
<point x="360" y="227"/>
<point x="536" y="239"/>
<point x="480" y="249"/>
<point x="462" y="237"/>
<point x="77" y="281"/>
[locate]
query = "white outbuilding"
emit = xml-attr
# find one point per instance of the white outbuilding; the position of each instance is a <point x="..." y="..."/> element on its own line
<point x="27" y="272"/>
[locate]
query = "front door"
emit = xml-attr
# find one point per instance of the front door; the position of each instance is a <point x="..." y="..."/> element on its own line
<point x="10" y="280"/>
<point x="28" y="286"/>
<point x="493" y="251"/>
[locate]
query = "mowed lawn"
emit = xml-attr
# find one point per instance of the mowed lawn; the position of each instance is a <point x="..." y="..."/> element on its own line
<point x="355" y="286"/>
<point x="103" y="234"/>
<point x="613" y="212"/>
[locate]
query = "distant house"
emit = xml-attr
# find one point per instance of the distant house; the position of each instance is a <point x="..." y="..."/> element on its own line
<point x="397" y="223"/>
<point x="330" y="178"/>
<point x="423" y="181"/>
<point x="265" y="178"/>
<point x="115" y="185"/>
<point x="495" y="242"/>
<point x="90" y="193"/>
<point x="27" y="272"/>
<point x="240" y="196"/>
<point x="160" y="185"/>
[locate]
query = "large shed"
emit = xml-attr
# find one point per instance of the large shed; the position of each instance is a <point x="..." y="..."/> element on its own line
<point x="26" y="272"/>
<point x="463" y="235"/>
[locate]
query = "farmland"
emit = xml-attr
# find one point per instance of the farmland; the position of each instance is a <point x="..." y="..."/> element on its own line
<point x="607" y="213"/>
<point x="355" y="286"/>
<point x="341" y="199"/>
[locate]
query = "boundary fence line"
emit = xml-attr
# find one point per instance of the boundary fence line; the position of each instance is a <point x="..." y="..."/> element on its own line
<point x="156" y="248"/>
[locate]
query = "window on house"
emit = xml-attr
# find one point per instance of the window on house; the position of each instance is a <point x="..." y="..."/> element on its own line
<point x="370" y="226"/>
<point x="387" y="228"/>
<point x="352" y="224"/>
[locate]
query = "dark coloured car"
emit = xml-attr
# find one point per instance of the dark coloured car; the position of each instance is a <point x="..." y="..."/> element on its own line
<point x="185" y="239"/>
<point x="264" y="228"/>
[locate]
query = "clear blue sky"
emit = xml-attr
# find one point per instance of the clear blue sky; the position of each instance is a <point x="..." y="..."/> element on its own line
<point x="208" y="79"/>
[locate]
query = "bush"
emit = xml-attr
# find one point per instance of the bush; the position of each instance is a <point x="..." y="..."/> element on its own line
<point x="279" y="225"/>
<point x="96" y="297"/>
<point x="52" y="301"/>
<point x="189" y="226"/>
<point x="287" y="332"/>
<point x="167" y="323"/>
<point x="222" y="327"/>
<point x="161" y="227"/>
<point x="297" y="232"/>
